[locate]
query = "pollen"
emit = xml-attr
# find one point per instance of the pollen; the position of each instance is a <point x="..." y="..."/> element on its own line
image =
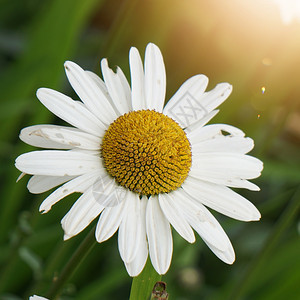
<point x="146" y="152"/>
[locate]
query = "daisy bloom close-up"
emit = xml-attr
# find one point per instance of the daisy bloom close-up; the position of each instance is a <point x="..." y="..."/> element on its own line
<point x="142" y="166"/>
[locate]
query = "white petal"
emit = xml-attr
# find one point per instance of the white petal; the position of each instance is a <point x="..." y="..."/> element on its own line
<point x="38" y="184"/>
<point x="228" y="181"/>
<point x="79" y="184"/>
<point x="155" y="78"/>
<point x="100" y="83"/>
<point x="245" y="184"/>
<point x="137" y="80"/>
<point x="135" y="267"/>
<point x="185" y="107"/>
<point x="201" y="122"/>
<point x="170" y="208"/>
<point x="225" y="165"/>
<point x="90" y="93"/>
<point x="84" y="151"/>
<point x="221" y="199"/>
<point x="81" y="214"/>
<point x="130" y="228"/>
<point x="200" y="134"/>
<point x="227" y="256"/>
<point x="212" y="99"/>
<point x="207" y="227"/>
<point x="57" y="163"/>
<point x="64" y="137"/>
<point x="220" y="143"/>
<point x="125" y="87"/>
<point x="109" y="222"/>
<point x="225" y="172"/>
<point x="201" y="220"/>
<point x="33" y="136"/>
<point x="159" y="236"/>
<point x="21" y="176"/>
<point x="71" y="111"/>
<point x="115" y="86"/>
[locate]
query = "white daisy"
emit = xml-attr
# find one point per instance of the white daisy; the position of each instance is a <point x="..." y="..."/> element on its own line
<point x="139" y="165"/>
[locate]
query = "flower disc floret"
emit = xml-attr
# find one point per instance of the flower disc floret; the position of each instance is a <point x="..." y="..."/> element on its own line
<point x="146" y="152"/>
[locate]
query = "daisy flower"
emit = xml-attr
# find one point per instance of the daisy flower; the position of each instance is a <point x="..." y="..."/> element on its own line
<point x="142" y="167"/>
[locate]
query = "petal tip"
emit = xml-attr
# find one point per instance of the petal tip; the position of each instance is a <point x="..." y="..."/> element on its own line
<point x="39" y="91"/>
<point x="20" y="176"/>
<point x="192" y="240"/>
<point x="202" y="78"/>
<point x="152" y="46"/>
<point x="256" y="188"/>
<point x="68" y="64"/>
<point x="104" y="62"/>
<point x="66" y="237"/>
<point x="43" y="210"/>
<point x="43" y="92"/>
<point x="133" y="53"/>
<point x="231" y="261"/>
<point x="256" y="216"/>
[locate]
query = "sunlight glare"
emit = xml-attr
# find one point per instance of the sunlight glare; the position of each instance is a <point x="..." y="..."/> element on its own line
<point x="289" y="10"/>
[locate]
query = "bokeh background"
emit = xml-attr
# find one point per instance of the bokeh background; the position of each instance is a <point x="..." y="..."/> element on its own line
<point x="253" y="44"/>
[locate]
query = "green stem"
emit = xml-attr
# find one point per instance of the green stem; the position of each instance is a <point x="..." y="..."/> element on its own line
<point x="143" y="284"/>
<point x="79" y="255"/>
<point x="285" y="220"/>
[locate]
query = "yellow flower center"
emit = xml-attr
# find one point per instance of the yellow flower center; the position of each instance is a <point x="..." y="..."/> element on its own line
<point x="146" y="152"/>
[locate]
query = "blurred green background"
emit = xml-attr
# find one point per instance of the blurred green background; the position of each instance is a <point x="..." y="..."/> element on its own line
<point x="241" y="42"/>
